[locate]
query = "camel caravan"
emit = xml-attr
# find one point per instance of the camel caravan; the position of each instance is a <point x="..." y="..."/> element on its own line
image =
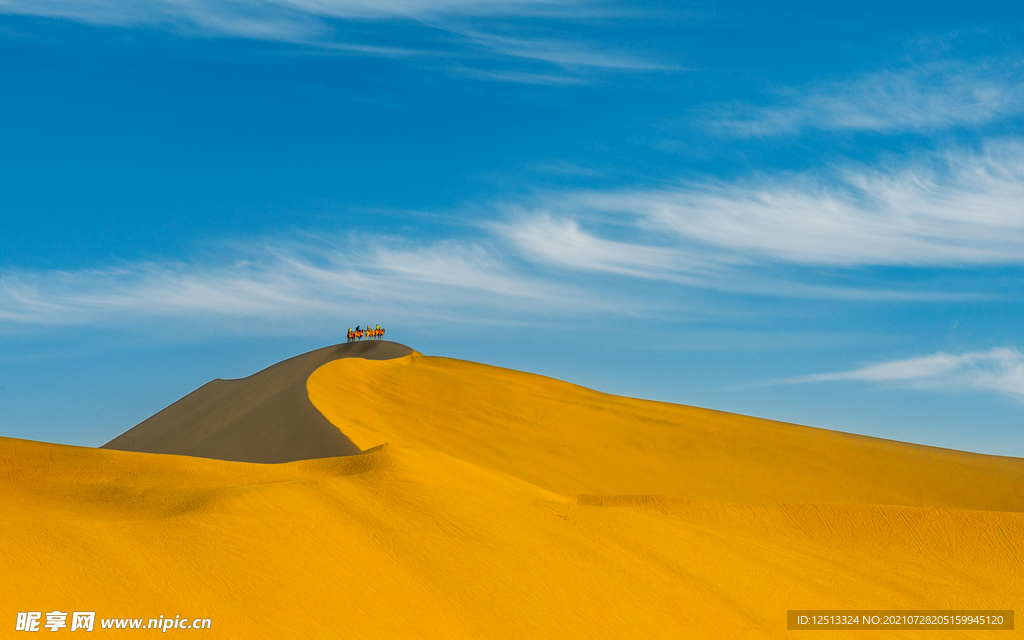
<point x="368" y="333"/>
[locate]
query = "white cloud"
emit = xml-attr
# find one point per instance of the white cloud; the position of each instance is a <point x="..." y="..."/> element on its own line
<point x="519" y="77"/>
<point x="953" y="210"/>
<point x="562" y="243"/>
<point x="959" y="210"/>
<point x="294" y="284"/>
<point x="460" y="35"/>
<point x="922" y="98"/>
<point x="466" y="268"/>
<point x="1000" y="370"/>
<point x="564" y="54"/>
<point x="236" y="17"/>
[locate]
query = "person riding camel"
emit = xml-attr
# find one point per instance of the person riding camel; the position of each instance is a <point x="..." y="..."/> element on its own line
<point x="375" y="332"/>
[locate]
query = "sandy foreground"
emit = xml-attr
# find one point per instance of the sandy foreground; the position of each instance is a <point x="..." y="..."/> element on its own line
<point x="490" y="503"/>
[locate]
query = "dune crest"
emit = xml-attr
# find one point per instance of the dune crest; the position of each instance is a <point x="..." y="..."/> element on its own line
<point x="572" y="440"/>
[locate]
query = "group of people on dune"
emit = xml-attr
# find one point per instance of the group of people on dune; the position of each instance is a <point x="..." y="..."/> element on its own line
<point x="368" y="333"/>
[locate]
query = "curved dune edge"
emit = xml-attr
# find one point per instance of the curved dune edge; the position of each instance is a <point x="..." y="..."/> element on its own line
<point x="571" y="440"/>
<point x="460" y="528"/>
<point x="265" y="417"/>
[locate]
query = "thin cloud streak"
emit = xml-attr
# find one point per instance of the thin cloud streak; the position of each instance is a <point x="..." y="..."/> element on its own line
<point x="957" y="209"/>
<point x="564" y="54"/>
<point x="519" y="77"/>
<point x="236" y="18"/>
<point x="1000" y="370"/>
<point x="457" y="33"/>
<point x="293" y="283"/>
<point x="923" y="98"/>
<point x="562" y="243"/>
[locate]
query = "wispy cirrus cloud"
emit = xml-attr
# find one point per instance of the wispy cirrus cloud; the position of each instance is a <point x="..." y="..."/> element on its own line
<point x="463" y="36"/>
<point x="568" y="55"/>
<point x="295" y="283"/>
<point x="953" y="209"/>
<point x="562" y="243"/>
<point x="920" y="98"/>
<point x="232" y="17"/>
<point x="807" y="236"/>
<point x="1000" y="370"/>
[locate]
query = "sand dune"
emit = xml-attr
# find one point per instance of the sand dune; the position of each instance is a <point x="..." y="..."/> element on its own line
<point x="263" y="418"/>
<point x="507" y="505"/>
<point x="572" y="440"/>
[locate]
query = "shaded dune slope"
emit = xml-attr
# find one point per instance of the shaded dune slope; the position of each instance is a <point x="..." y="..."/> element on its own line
<point x="266" y="417"/>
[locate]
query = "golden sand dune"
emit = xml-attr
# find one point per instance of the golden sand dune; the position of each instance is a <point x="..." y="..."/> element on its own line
<point x="507" y="505"/>
<point x="572" y="440"/>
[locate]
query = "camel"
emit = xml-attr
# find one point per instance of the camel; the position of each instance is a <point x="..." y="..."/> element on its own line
<point x="375" y="333"/>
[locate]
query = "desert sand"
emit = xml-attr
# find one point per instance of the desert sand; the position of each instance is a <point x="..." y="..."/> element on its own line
<point x="489" y="503"/>
<point x="266" y="417"/>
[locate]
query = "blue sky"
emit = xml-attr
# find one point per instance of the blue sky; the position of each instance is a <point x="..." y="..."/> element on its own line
<point x="798" y="212"/>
